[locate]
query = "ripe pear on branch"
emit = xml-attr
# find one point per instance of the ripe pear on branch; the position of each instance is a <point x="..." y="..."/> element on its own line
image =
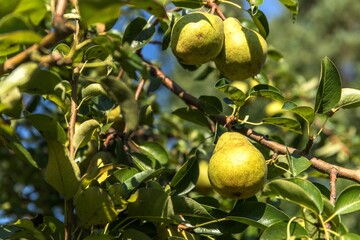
<point x="197" y="38"/>
<point x="237" y="169"/>
<point x="244" y="51"/>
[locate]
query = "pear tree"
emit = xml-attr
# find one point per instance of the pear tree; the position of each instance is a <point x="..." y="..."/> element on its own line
<point x="114" y="114"/>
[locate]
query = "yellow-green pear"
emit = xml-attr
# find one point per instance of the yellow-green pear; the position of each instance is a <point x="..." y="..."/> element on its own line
<point x="203" y="184"/>
<point x="244" y="51"/>
<point x="197" y="38"/>
<point x="237" y="169"/>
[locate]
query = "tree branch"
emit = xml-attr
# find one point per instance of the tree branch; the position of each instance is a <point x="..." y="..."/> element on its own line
<point x="316" y="163"/>
<point x="47" y="42"/>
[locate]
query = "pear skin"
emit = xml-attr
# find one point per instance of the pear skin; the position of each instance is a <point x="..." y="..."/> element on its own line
<point x="197" y="38"/>
<point x="237" y="169"/>
<point x="244" y="51"/>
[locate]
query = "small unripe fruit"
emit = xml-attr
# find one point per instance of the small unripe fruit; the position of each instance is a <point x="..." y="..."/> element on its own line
<point x="197" y="38"/>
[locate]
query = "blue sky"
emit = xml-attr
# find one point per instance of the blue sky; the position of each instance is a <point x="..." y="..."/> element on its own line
<point x="272" y="8"/>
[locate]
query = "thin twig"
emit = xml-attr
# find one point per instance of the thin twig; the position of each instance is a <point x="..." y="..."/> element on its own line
<point x="333" y="176"/>
<point x="59" y="13"/>
<point x="139" y="89"/>
<point x="47" y="42"/>
<point x="120" y="74"/>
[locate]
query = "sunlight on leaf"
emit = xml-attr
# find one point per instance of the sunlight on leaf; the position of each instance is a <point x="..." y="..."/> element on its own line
<point x="296" y="190"/>
<point x="350" y="98"/>
<point x="348" y="200"/>
<point x="61" y="172"/>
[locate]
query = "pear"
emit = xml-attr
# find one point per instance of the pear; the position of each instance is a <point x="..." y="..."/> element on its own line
<point x="244" y="51"/>
<point x="237" y="169"/>
<point x="203" y="184"/>
<point x="197" y="38"/>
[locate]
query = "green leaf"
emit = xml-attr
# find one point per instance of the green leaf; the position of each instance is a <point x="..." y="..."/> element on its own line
<point x="348" y="200"/>
<point x="133" y="29"/>
<point x="61" y="49"/>
<point x="147" y="209"/>
<point x="291" y="5"/>
<point x="137" y="34"/>
<point x="286" y="123"/>
<point x="102" y="237"/>
<point x="262" y="215"/>
<point x="22" y="153"/>
<point x="350" y="236"/>
<point x="155" y="7"/>
<point x="97" y="169"/>
<point x="44" y="82"/>
<point x="296" y="190"/>
<point x="155" y="151"/>
<point x="233" y="93"/>
<point x="20" y="76"/>
<point x="84" y="132"/>
<point x="124" y="96"/>
<point x="186" y="177"/>
<point x="48" y="127"/>
<point x="298" y="164"/>
<point x="350" y="98"/>
<point x="167" y="35"/>
<point x="266" y="91"/>
<point x="133" y="234"/>
<point x="99" y="11"/>
<point x="8" y="137"/>
<point x="92" y="90"/>
<point x="281" y="230"/>
<point x="134" y="182"/>
<point x="94" y="207"/>
<point x="8" y="7"/>
<point x="61" y="172"/>
<point x="146" y="115"/>
<point x="329" y="90"/>
<point x="211" y="105"/>
<point x="11" y="103"/>
<point x="192" y="115"/>
<point x="7" y="48"/>
<point x="188" y="3"/>
<point x="21" y="37"/>
<point x="261" y="22"/>
<point x="274" y="54"/>
<point x="144" y="162"/>
<point x="124" y="173"/>
<point x="33" y="11"/>
<point x="57" y="227"/>
<point x="305" y="112"/>
<point x="29" y="230"/>
<point x="131" y="61"/>
<point x="12" y="23"/>
<point x="186" y="206"/>
<point x="96" y="52"/>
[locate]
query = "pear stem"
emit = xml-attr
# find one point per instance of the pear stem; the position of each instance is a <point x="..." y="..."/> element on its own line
<point x="215" y="8"/>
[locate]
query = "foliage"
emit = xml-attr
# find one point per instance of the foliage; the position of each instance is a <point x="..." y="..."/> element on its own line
<point x="96" y="152"/>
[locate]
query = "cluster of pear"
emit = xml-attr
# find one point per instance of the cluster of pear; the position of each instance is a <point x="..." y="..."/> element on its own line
<point x="200" y="37"/>
<point x="237" y="169"/>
